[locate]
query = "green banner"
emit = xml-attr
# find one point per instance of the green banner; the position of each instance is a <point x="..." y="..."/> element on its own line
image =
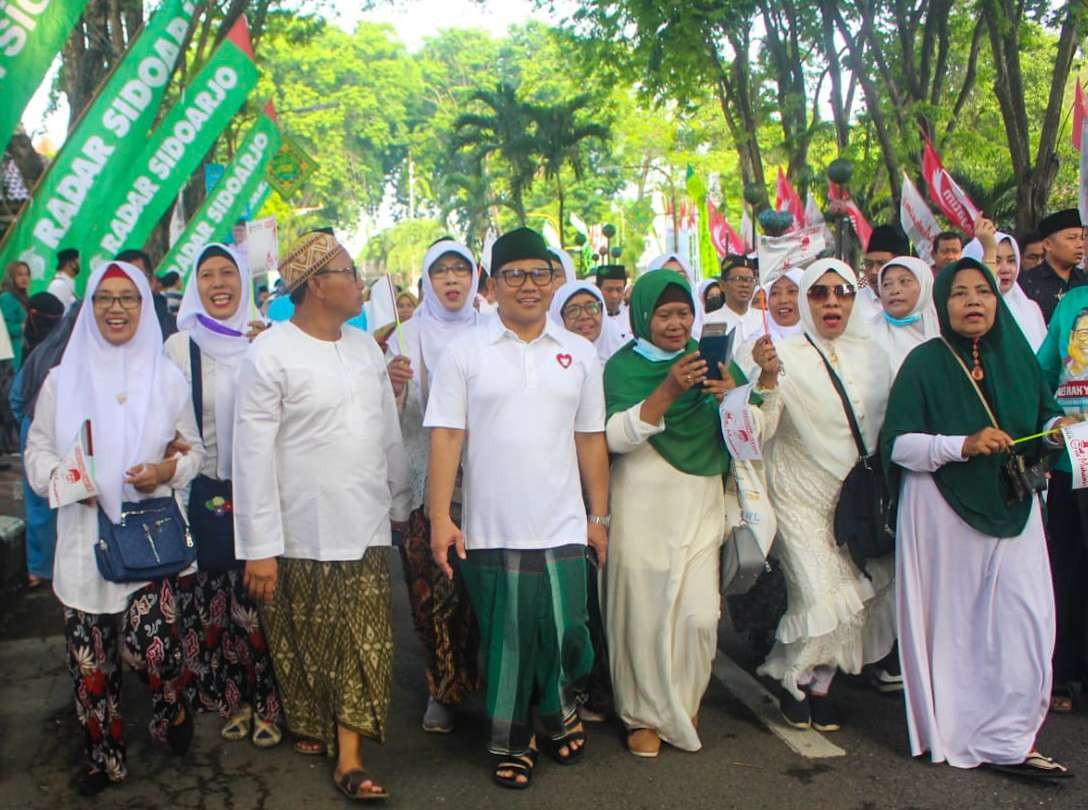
<point x="240" y="183"/>
<point x="131" y="211"/>
<point x="101" y="151"/>
<point x="31" y="34"/>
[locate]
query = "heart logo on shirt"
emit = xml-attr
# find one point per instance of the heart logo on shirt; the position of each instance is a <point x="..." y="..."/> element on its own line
<point x="564" y="360"/>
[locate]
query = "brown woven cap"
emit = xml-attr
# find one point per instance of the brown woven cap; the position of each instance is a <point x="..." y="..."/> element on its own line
<point x="310" y="254"/>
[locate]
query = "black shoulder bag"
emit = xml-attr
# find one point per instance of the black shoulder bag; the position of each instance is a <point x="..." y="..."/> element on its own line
<point x="864" y="521"/>
<point x="211" y="518"/>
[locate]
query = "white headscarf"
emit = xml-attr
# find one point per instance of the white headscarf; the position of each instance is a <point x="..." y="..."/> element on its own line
<point x="131" y="394"/>
<point x="567" y="263"/>
<point x="432" y="327"/>
<point x="807" y="390"/>
<point x="609" y="341"/>
<point x="778" y="331"/>
<point x="659" y="263"/>
<point x="226" y="342"/>
<point x="899" y="339"/>
<point x="1026" y="312"/>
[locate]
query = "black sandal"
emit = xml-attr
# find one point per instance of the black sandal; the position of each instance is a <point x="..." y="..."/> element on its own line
<point x="1035" y="766"/>
<point x="576" y="733"/>
<point x="518" y="765"/>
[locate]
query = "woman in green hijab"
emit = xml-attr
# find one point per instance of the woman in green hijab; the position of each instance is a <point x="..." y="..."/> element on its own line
<point x="661" y="601"/>
<point x="974" y="596"/>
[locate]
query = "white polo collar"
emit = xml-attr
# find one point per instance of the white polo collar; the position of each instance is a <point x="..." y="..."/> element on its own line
<point x="499" y="330"/>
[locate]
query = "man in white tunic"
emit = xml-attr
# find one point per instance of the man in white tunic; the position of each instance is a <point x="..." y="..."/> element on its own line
<point x="523" y="398"/>
<point x="612" y="282"/>
<point x="319" y="471"/>
<point x="739" y="280"/>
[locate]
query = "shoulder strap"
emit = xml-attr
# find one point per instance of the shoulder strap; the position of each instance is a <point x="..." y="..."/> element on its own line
<point x="970" y="379"/>
<point x="855" y="430"/>
<point x="197" y="374"/>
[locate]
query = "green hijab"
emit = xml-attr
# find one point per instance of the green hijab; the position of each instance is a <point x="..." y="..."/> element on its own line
<point x="932" y="395"/>
<point x="692" y="440"/>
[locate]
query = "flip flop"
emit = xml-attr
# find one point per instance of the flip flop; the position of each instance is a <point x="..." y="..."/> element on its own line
<point x="354" y="781"/>
<point x="1036" y="766"/>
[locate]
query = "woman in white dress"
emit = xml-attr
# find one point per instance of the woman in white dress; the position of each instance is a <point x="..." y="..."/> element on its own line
<point x="907" y="317"/>
<point x="978" y="678"/>
<point x="1024" y="311"/>
<point x="441" y="612"/>
<point x="783" y="318"/>
<point x="114" y="375"/>
<point x="660" y="602"/>
<point x="837" y="617"/>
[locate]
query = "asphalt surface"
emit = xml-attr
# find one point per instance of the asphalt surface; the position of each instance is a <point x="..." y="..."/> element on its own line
<point x="742" y="764"/>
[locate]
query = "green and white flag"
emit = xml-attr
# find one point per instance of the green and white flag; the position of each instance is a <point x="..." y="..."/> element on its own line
<point x="130" y="211"/>
<point x="241" y="182"/>
<point x="31" y="34"/>
<point x="102" y="150"/>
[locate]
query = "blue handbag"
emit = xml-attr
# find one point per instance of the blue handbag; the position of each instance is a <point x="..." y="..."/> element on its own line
<point x="210" y="500"/>
<point x="151" y="542"/>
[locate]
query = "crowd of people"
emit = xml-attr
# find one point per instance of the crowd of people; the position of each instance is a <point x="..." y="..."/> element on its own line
<point x="546" y="455"/>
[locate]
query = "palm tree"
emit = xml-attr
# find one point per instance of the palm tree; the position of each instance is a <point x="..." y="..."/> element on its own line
<point x="504" y="130"/>
<point x="561" y="139"/>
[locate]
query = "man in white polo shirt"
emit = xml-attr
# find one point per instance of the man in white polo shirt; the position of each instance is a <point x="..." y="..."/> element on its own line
<point x="523" y="399"/>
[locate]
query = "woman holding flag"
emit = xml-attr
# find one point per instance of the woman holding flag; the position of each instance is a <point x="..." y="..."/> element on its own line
<point x="971" y="547"/>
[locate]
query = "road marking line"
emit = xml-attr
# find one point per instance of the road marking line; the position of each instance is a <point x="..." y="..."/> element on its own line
<point x="764" y="705"/>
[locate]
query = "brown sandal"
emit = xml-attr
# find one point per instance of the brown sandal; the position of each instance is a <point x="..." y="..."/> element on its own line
<point x="359" y="787"/>
<point x="310" y="748"/>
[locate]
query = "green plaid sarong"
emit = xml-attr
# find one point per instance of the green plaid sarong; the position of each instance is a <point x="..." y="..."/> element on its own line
<point x="531" y="606"/>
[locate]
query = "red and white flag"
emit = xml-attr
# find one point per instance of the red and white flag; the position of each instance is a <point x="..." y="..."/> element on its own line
<point x="725" y="239"/>
<point x="1083" y="198"/>
<point x="946" y="193"/>
<point x="786" y="198"/>
<point x="861" y="225"/>
<point x="1080" y="112"/>
<point x="917" y="220"/>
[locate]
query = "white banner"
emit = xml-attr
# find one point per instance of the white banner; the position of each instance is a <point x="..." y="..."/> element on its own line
<point x="777" y="254"/>
<point x="739" y="425"/>
<point x="262" y="246"/>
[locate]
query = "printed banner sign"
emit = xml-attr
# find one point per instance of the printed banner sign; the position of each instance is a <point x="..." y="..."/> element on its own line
<point x="739" y="425"/>
<point x="102" y="150"/>
<point x="1076" y="444"/>
<point x="131" y="211"/>
<point x="31" y="34"/>
<point x="240" y="184"/>
<point x="918" y="221"/>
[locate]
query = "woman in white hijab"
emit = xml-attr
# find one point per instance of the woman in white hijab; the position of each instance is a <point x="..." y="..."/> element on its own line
<point x="837" y="618"/>
<point x="578" y="306"/>
<point x="1026" y="312"/>
<point x="783" y="318"/>
<point x="221" y="628"/>
<point x="711" y="297"/>
<point x="441" y="610"/>
<point x="114" y="375"/>
<point x="907" y="317"/>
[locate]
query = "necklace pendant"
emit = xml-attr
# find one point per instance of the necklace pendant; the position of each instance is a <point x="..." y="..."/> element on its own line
<point x="977" y="374"/>
<point x="122" y="399"/>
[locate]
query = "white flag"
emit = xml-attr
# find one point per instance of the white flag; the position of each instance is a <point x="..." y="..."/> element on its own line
<point x="177" y="220"/>
<point x="73" y="479"/>
<point x="777" y="254"/>
<point x="382" y="309"/>
<point x="739" y="426"/>
<point x="814" y="216"/>
<point x="918" y="221"/>
<point x="1076" y="436"/>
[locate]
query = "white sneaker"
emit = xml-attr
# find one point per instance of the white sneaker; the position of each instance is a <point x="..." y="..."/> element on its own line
<point x="438" y="719"/>
<point x="884" y="681"/>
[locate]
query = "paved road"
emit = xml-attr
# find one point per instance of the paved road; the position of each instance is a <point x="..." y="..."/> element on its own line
<point x="742" y="764"/>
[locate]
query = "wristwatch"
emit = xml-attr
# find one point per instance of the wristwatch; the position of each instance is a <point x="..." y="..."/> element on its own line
<point x="600" y="520"/>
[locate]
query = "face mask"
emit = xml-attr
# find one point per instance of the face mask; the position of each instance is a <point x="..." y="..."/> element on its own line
<point x="907" y="321"/>
<point x="714" y="302"/>
<point x="646" y="349"/>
